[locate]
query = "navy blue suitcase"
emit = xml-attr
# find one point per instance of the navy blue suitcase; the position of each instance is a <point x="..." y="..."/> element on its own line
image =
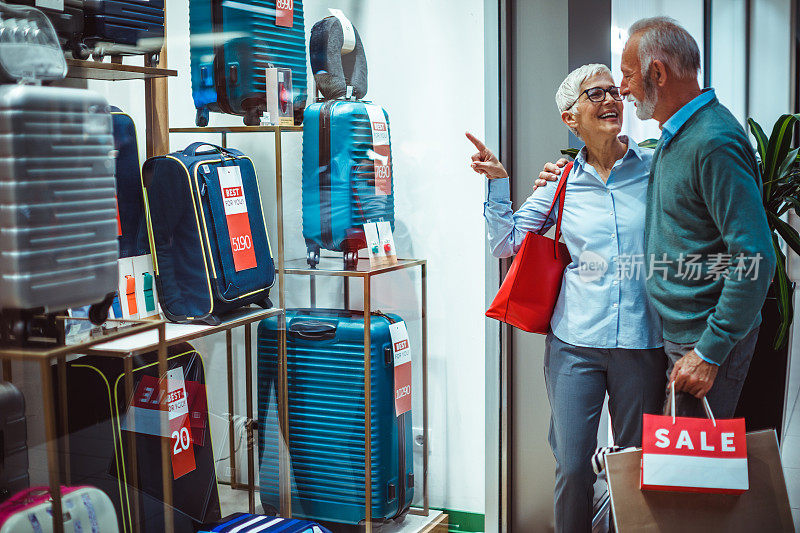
<point x="325" y="368"/>
<point x="340" y="191"/>
<point x="130" y="200"/>
<point x="99" y="417"/>
<point x="117" y="27"/>
<point x="228" y="74"/>
<point x="250" y="523"/>
<point x="208" y="236"/>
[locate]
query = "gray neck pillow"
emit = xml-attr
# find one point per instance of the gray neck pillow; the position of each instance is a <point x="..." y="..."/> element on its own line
<point x="333" y="72"/>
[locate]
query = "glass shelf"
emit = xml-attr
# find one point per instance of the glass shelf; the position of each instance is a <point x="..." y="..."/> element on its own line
<point x="332" y="266"/>
<point x="237" y="129"/>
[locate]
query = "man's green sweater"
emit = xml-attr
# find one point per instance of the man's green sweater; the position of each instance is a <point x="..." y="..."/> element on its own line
<point x="704" y="210"/>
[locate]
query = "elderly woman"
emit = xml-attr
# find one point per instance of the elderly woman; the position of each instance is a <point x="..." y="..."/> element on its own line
<point x="605" y="337"/>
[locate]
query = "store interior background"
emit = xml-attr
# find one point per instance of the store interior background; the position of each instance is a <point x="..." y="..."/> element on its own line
<point x="437" y="67"/>
<point x="431" y="98"/>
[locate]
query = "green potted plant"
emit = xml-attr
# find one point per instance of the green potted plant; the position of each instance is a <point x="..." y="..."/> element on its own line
<point x="762" y="399"/>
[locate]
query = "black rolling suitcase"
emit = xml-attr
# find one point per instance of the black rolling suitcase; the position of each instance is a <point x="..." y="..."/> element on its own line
<point x="104" y="425"/>
<point x="68" y="23"/>
<point x="125" y="27"/>
<point x="13" y="442"/>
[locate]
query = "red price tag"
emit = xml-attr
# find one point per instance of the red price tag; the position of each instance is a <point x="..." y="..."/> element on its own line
<point x="402" y="367"/>
<point x="284" y="13"/>
<point x="381" y="150"/>
<point x="235" y="204"/>
<point x="180" y="430"/>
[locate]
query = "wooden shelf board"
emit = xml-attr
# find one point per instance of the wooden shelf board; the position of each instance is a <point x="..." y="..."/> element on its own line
<point x="94" y="70"/>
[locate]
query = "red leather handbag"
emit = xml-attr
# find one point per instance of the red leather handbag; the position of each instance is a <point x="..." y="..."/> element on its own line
<point x="528" y="295"/>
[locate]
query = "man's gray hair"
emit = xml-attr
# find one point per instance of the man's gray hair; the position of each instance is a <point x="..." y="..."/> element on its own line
<point x="667" y="41"/>
<point x="570" y="89"/>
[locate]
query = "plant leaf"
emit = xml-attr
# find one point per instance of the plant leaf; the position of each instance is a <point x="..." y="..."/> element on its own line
<point x="787" y="232"/>
<point x="648" y="143"/>
<point x="779" y="142"/>
<point x="787" y="164"/>
<point x="782" y="294"/>
<point x="761" y="140"/>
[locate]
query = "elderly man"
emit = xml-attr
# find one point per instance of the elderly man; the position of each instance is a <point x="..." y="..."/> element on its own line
<point x="709" y="254"/>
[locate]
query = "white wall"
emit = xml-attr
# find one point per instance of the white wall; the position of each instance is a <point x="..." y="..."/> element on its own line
<point x="426" y="69"/>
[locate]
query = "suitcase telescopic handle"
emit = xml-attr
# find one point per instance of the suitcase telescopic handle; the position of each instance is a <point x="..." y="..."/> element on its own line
<point x="191" y="150"/>
<point x="312" y="331"/>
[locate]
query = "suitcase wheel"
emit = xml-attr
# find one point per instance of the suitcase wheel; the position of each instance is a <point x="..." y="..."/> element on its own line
<point x="313" y="258"/>
<point x="98" y="313"/>
<point x="98" y="55"/>
<point x="201" y="118"/>
<point x="79" y="50"/>
<point x="252" y="117"/>
<point x="153" y="59"/>
<point x="350" y="260"/>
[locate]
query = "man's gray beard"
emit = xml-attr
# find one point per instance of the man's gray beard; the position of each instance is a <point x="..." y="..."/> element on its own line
<point x="645" y="109"/>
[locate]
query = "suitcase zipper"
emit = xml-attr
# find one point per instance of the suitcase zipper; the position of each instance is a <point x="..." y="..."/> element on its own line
<point x="401" y="448"/>
<point x="326" y="224"/>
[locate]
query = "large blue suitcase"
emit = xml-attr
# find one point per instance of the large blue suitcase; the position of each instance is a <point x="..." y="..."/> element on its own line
<point x="325" y="367"/>
<point x="232" y="43"/>
<point x="340" y="192"/>
<point x="124" y="27"/>
<point x="207" y="231"/>
<point x="250" y="523"/>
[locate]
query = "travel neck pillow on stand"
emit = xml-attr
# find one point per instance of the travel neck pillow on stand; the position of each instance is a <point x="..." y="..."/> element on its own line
<point x="334" y="71"/>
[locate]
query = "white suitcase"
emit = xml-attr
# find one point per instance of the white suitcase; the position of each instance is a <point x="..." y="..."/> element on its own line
<point x="85" y="509"/>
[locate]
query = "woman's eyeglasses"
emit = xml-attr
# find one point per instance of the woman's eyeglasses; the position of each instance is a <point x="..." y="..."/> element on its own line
<point x="598" y="94"/>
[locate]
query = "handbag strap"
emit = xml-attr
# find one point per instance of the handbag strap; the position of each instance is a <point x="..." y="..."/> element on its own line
<point x="561" y="192"/>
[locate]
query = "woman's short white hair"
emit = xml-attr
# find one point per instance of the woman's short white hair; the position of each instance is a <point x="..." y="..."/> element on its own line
<point x="570" y="89"/>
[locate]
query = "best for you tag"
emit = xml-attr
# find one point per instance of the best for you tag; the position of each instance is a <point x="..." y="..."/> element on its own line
<point x="402" y="367"/>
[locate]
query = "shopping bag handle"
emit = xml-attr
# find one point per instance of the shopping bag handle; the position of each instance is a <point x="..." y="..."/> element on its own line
<point x="704" y="401"/>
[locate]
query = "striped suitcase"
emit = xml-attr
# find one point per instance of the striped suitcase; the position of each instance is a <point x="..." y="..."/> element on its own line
<point x="250" y="523"/>
<point x="346" y="181"/>
<point x="232" y="43"/>
<point x="325" y="369"/>
<point x="58" y="239"/>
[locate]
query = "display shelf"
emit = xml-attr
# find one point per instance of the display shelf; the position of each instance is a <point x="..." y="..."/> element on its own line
<point x="178" y="333"/>
<point x="332" y="266"/>
<point x="95" y="70"/>
<point x="237" y="129"/>
<point x="44" y="353"/>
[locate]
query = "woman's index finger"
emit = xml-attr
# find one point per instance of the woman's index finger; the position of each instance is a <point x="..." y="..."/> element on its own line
<point x="478" y="144"/>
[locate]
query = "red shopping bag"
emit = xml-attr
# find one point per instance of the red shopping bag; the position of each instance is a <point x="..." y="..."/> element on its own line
<point x="693" y="454"/>
<point x="529" y="292"/>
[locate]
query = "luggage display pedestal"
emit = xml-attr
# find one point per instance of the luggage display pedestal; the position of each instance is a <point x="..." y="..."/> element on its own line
<point x="44" y="353"/>
<point x="178" y="333"/>
<point x="331" y="267"/>
<point x="276" y="131"/>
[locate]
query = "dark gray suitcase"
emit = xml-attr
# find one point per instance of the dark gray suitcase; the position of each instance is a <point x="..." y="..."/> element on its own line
<point x="58" y="228"/>
<point x="13" y="442"/>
